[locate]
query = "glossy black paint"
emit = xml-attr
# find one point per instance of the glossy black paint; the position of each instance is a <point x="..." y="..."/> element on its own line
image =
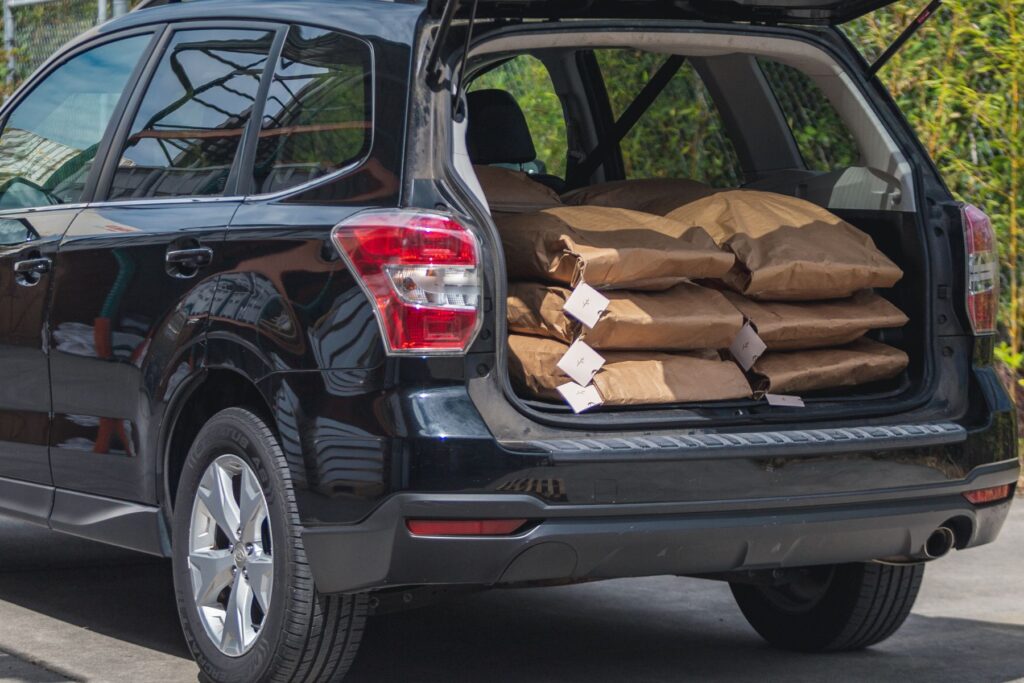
<point x="25" y="389"/>
<point x="130" y="337"/>
<point x="137" y="350"/>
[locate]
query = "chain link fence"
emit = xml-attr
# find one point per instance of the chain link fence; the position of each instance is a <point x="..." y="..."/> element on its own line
<point x="34" y="29"/>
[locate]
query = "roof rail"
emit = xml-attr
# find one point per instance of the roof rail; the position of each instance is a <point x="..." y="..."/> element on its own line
<point x="145" y="4"/>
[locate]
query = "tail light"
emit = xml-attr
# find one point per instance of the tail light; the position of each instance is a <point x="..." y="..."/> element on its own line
<point x="989" y="495"/>
<point x="421" y="271"/>
<point x="464" y="527"/>
<point x="982" y="270"/>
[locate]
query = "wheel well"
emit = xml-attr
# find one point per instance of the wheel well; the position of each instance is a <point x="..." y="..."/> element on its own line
<point x="220" y="389"/>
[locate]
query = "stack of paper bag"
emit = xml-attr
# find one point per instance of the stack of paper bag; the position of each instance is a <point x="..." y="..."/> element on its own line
<point x="862" y="362"/>
<point x="785" y="326"/>
<point x="608" y="248"/>
<point x="685" y="317"/>
<point x="629" y="377"/>
<point x="788" y="249"/>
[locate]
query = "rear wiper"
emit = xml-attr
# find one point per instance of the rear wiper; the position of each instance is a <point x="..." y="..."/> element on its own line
<point x="909" y="31"/>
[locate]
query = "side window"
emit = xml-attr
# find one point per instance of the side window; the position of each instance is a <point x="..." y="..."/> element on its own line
<point x="528" y="81"/>
<point x="51" y="137"/>
<point x="683" y="118"/>
<point x="824" y="141"/>
<point x="318" y="115"/>
<point x="188" y="128"/>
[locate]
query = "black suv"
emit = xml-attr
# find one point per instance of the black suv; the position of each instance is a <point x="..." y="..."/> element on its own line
<point x="210" y="211"/>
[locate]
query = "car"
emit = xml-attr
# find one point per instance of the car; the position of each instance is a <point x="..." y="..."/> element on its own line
<point x="253" y="318"/>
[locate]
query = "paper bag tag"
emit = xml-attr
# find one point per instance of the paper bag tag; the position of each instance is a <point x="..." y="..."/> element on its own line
<point x="580" y="398"/>
<point x="747" y="347"/>
<point x="784" y="400"/>
<point x="586" y="304"/>
<point x="581" y="363"/>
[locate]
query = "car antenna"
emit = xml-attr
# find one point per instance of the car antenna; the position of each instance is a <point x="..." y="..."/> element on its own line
<point x="908" y="32"/>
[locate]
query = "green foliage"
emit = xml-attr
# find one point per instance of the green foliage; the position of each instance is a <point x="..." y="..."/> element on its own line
<point x="960" y="82"/>
<point x="825" y="143"/>
<point x="682" y="125"/>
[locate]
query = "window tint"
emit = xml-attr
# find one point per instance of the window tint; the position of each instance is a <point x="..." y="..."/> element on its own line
<point x="50" y="140"/>
<point x="682" y="124"/>
<point x="189" y="125"/>
<point x="318" y="116"/>
<point x="528" y="80"/>
<point x="824" y="141"/>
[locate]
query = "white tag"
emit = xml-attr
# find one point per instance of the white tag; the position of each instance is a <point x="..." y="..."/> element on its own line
<point x="580" y="398"/>
<point x="747" y="347"/>
<point x="586" y="304"/>
<point x="784" y="400"/>
<point x="581" y="363"/>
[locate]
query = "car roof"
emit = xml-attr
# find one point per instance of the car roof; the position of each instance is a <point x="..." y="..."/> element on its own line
<point x="383" y="19"/>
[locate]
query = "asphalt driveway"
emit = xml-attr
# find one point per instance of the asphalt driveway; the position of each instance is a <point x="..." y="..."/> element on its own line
<point x="73" y="610"/>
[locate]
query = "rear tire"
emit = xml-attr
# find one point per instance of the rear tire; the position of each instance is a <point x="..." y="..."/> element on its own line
<point x="832" y="609"/>
<point x="301" y="635"/>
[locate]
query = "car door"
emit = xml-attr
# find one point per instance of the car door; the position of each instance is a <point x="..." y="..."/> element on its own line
<point x="136" y="268"/>
<point x="52" y="132"/>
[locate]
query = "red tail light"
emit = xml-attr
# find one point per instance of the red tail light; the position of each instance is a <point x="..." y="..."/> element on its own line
<point x="464" y="527"/>
<point x="421" y="271"/>
<point x="989" y="495"/>
<point x="982" y="270"/>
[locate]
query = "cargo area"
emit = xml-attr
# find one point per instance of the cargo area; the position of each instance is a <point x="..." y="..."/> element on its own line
<point x="710" y="222"/>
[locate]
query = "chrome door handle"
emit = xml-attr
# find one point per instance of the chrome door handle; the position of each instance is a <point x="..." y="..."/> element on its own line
<point x="194" y="257"/>
<point x="33" y="266"/>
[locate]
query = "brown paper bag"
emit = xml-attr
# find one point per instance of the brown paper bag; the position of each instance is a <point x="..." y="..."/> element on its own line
<point x="607" y="248"/>
<point x="787" y="248"/>
<point x="816" y="324"/>
<point x="685" y="317"/>
<point x="513" y="191"/>
<point x="653" y="195"/>
<point x="628" y="378"/>
<point x="861" y="362"/>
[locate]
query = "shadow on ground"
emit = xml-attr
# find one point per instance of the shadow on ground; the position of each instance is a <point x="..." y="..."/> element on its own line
<point x="654" y="630"/>
<point x="657" y="629"/>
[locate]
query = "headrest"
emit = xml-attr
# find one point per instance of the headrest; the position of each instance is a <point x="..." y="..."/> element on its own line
<point x="497" y="132"/>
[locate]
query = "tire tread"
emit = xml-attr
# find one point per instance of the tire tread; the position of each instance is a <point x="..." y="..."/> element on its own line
<point x="320" y="634"/>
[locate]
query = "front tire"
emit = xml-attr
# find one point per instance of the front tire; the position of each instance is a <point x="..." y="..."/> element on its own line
<point x="832" y="609"/>
<point x="245" y="595"/>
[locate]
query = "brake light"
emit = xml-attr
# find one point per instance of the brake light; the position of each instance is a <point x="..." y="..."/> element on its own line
<point x="982" y="270"/>
<point x="464" y="527"/>
<point x="420" y="269"/>
<point x="989" y="495"/>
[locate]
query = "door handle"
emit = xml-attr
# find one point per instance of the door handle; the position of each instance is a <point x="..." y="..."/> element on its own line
<point x="193" y="257"/>
<point x="33" y="266"/>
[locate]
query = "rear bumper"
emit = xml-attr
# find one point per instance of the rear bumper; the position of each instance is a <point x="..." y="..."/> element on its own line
<point x="598" y="541"/>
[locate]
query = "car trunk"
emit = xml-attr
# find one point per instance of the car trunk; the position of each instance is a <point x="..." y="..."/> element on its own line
<point x="880" y="204"/>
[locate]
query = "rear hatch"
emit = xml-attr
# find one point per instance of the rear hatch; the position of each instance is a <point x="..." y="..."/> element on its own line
<point x="819" y="12"/>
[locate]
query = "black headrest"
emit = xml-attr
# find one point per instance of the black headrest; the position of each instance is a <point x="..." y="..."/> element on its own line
<point x="497" y="132"/>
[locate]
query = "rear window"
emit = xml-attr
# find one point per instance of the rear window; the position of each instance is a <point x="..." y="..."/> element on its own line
<point x="824" y="141"/>
<point x="683" y="119"/>
<point x="318" y="116"/>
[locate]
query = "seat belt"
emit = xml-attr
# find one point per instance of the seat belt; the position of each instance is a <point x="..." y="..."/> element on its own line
<point x="640" y="104"/>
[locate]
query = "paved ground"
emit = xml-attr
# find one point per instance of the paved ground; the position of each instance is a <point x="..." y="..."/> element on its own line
<point x="71" y="610"/>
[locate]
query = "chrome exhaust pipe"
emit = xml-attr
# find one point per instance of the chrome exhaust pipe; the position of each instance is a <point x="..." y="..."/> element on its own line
<point x="939" y="543"/>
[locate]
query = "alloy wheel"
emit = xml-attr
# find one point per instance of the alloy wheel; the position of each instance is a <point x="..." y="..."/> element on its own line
<point x="230" y="554"/>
